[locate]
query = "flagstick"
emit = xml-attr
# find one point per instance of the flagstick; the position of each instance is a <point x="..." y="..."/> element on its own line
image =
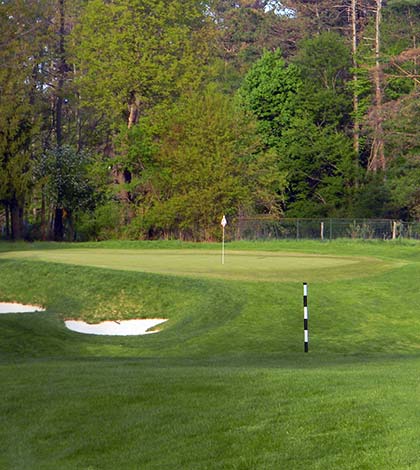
<point x="223" y="245"/>
<point x="223" y="223"/>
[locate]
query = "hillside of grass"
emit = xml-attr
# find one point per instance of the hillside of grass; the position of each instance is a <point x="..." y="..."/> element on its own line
<point x="225" y="384"/>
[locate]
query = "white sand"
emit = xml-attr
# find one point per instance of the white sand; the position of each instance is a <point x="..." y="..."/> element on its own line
<point x="6" y="307"/>
<point x="114" y="328"/>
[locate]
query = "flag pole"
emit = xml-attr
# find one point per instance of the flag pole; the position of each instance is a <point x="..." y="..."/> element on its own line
<point x="223" y="223"/>
<point x="223" y="246"/>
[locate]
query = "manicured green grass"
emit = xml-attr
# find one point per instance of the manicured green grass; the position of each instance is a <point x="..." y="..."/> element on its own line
<point x="225" y="384"/>
<point x="238" y="265"/>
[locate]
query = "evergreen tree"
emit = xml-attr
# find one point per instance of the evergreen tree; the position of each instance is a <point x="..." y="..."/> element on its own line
<point x="303" y="110"/>
<point x="270" y="90"/>
<point x="21" y="24"/>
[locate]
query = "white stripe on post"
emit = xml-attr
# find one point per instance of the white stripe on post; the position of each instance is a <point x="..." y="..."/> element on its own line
<point x="305" y="317"/>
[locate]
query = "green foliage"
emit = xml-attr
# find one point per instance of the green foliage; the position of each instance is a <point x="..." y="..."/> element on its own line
<point x="270" y="91"/>
<point x="131" y="52"/>
<point x="15" y="154"/>
<point x="64" y="172"/>
<point x="318" y="161"/>
<point x="403" y="3"/>
<point x="402" y="126"/>
<point x="126" y="80"/>
<point x="302" y="110"/>
<point x="397" y="87"/>
<point x="269" y="183"/>
<point x="19" y="105"/>
<point x="324" y="63"/>
<point x="243" y="31"/>
<point x="103" y="223"/>
<point x="362" y="88"/>
<point x="404" y="184"/>
<point x="208" y="162"/>
<point x="372" y="199"/>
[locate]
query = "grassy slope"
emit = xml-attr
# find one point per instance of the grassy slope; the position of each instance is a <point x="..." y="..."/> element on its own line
<point x="225" y="385"/>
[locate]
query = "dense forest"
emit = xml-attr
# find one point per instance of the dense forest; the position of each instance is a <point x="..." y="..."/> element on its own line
<point x="152" y="118"/>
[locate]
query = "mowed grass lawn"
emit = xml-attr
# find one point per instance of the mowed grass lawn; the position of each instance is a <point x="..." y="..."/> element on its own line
<point x="225" y="384"/>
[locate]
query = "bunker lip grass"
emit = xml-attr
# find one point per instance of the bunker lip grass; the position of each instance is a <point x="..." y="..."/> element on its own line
<point x="14" y="307"/>
<point x="116" y="328"/>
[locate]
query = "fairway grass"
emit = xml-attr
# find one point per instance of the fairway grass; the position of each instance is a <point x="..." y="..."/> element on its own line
<point x="225" y="384"/>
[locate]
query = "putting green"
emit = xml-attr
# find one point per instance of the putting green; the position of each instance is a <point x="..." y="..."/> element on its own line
<point x="240" y="265"/>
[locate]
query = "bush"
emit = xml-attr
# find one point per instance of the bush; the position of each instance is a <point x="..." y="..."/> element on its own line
<point x="102" y="224"/>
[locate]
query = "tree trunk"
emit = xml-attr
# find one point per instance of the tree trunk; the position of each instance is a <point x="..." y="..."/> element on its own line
<point x="133" y="112"/>
<point x="356" y="123"/>
<point x="62" y="68"/>
<point x="377" y="158"/>
<point x="58" y="224"/>
<point x="44" y="225"/>
<point x="77" y="115"/>
<point x="414" y="45"/>
<point x="122" y="176"/>
<point x="8" y="229"/>
<point x="70" y="224"/>
<point x="16" y="214"/>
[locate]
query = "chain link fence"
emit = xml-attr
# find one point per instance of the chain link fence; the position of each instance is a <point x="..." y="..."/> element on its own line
<point x="266" y="228"/>
<point x="323" y="229"/>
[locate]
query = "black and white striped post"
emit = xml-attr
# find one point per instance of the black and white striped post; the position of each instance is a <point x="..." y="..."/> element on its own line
<point x="305" y="317"/>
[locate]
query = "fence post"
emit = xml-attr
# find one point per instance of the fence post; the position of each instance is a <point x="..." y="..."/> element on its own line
<point x="330" y="229"/>
<point x="322" y="230"/>
<point x="394" y="230"/>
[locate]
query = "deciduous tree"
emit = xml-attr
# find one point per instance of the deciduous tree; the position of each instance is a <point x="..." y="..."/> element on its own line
<point x="131" y="55"/>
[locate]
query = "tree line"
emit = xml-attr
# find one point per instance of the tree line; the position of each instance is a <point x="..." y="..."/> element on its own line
<point x="152" y="118"/>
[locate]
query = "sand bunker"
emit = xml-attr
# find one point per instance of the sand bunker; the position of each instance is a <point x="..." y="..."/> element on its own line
<point x="6" y="307"/>
<point x="116" y="328"/>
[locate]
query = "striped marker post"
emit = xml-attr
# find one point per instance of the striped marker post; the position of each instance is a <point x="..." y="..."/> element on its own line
<point x="305" y="317"/>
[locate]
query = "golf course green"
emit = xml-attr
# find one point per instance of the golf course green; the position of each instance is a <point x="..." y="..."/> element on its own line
<point x="225" y="384"/>
<point x="239" y="265"/>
